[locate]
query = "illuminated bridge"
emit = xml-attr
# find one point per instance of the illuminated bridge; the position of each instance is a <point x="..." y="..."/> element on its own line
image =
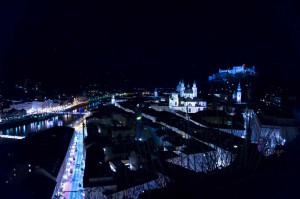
<point x="69" y="112"/>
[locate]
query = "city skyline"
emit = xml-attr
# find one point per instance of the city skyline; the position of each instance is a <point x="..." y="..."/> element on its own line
<point x="115" y="99"/>
<point x="138" y="43"/>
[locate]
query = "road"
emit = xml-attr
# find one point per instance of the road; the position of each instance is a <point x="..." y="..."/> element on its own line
<point x="73" y="176"/>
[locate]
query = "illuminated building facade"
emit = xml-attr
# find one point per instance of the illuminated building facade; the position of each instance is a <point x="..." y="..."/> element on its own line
<point x="237" y="95"/>
<point x="186" y="99"/>
<point x="155" y="93"/>
<point x="113" y="100"/>
<point x="222" y="75"/>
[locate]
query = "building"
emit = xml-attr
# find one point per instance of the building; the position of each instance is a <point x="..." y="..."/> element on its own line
<point x="113" y="100"/>
<point x="155" y="93"/>
<point x="222" y="75"/>
<point x="237" y="95"/>
<point x="270" y="131"/>
<point x="21" y="105"/>
<point x="186" y="99"/>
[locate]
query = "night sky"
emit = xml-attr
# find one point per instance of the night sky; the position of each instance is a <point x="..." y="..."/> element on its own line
<point x="144" y="44"/>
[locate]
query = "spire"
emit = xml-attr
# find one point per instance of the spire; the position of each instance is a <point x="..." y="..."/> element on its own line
<point x="239" y="94"/>
<point x="194" y="84"/>
<point x="188" y="86"/>
<point x="239" y="87"/>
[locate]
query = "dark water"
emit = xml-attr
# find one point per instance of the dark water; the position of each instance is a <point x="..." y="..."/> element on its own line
<point x="59" y="120"/>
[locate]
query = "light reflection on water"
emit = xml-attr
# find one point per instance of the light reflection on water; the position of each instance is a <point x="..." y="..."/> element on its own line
<point x="36" y="126"/>
<point x="23" y="130"/>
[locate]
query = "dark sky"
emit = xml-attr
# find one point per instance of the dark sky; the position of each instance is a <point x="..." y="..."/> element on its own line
<point x="143" y="43"/>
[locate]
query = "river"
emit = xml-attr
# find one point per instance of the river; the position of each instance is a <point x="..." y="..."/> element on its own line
<point x="58" y="120"/>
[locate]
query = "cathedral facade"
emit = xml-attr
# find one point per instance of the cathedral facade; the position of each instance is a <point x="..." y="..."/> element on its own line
<point x="186" y="99"/>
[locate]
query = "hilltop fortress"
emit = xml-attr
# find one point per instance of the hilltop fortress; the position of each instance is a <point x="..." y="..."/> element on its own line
<point x="222" y="75"/>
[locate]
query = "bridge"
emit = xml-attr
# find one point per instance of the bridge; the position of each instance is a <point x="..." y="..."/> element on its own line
<point x="69" y="112"/>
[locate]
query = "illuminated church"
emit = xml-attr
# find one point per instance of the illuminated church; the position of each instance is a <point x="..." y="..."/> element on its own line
<point x="185" y="99"/>
<point x="237" y="95"/>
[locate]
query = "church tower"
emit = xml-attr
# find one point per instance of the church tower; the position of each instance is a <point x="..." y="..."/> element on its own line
<point x="178" y="87"/>
<point x="182" y="88"/>
<point x="113" y="100"/>
<point x="155" y="93"/>
<point x="194" y="89"/>
<point x="239" y="94"/>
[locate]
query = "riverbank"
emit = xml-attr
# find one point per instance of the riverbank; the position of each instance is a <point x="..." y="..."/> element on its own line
<point x="24" y="121"/>
<point x="37" y="117"/>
